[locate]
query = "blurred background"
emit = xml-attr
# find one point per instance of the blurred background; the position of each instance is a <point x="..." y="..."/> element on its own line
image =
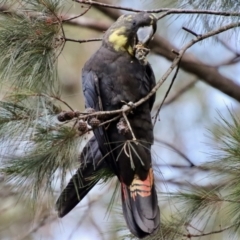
<point x="184" y="132"/>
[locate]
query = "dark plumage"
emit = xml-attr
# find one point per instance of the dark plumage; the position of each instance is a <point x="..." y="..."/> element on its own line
<point x="82" y="181"/>
<point x="112" y="77"/>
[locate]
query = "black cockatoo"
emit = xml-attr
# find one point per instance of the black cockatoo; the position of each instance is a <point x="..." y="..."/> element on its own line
<point x="116" y="75"/>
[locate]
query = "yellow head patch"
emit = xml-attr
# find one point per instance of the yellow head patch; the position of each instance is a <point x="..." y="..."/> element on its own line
<point x="119" y="41"/>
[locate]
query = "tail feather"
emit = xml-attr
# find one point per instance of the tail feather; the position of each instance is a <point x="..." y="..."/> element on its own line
<point x="140" y="206"/>
<point x="139" y="200"/>
<point x="83" y="180"/>
<point x="76" y="190"/>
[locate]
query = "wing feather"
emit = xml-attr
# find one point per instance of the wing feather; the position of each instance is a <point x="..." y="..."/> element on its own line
<point x="90" y="82"/>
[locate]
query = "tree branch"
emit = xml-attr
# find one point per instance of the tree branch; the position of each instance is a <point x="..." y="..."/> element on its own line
<point x="166" y="94"/>
<point x="83" y="40"/>
<point x="167" y="11"/>
<point x="175" y="63"/>
<point x="86" y="22"/>
<point x="160" y="46"/>
<point x="78" y="16"/>
<point x="189" y="63"/>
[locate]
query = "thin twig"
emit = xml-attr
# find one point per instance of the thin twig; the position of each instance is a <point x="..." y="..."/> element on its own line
<point x="184" y="167"/>
<point x="190" y="31"/>
<point x="125" y="150"/>
<point x="57" y="98"/>
<point x="83" y="40"/>
<point x="129" y="126"/>
<point x="109" y="121"/>
<point x="160" y="10"/>
<point x="176" y="150"/>
<point x="166" y="94"/>
<point x="88" y="22"/>
<point x="60" y="25"/>
<point x="77" y="16"/>
<point x="190" y="235"/>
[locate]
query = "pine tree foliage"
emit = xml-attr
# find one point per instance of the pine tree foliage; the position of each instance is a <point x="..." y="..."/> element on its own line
<point x="29" y="43"/>
<point x="227" y="163"/>
<point x="221" y="5"/>
<point x="202" y="23"/>
<point x="42" y="145"/>
<point x="213" y="209"/>
<point x="36" y="145"/>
